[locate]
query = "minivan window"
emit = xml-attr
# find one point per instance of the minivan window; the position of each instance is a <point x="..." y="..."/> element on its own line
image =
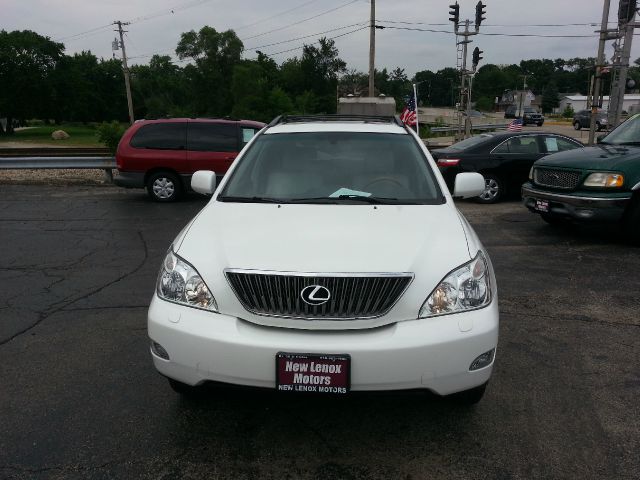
<point x="161" y="136"/>
<point x="213" y="137"/>
<point x="332" y="167"/>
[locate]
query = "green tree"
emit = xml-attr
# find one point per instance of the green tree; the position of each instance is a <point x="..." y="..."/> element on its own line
<point x="215" y="55"/>
<point x="27" y="61"/>
<point x="550" y="98"/>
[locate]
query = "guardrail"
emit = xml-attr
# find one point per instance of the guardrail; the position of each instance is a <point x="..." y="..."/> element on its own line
<point x="19" y="163"/>
<point x="454" y="128"/>
<point x="54" y="152"/>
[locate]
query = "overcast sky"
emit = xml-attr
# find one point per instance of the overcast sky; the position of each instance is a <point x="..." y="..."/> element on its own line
<point x="154" y="29"/>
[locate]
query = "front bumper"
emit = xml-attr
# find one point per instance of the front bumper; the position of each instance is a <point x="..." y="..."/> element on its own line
<point x="590" y="208"/>
<point x="433" y="353"/>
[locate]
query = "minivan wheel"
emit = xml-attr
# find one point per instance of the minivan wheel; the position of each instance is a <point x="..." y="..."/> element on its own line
<point x="576" y="125"/>
<point x="598" y="126"/>
<point x="494" y="189"/>
<point x="164" y="187"/>
<point x="469" y="397"/>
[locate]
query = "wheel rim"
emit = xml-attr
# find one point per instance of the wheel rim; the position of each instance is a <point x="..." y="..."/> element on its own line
<point x="163" y="188"/>
<point x="491" y="189"/>
<point x="576" y="126"/>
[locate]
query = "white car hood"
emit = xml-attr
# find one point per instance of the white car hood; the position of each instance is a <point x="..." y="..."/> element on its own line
<point x="425" y="240"/>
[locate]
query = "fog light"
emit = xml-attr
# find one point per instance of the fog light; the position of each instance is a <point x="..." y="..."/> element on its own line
<point x="483" y="360"/>
<point x="159" y="351"/>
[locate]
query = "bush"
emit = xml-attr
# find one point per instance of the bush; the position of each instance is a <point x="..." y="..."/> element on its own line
<point x="110" y="134"/>
<point x="568" y="112"/>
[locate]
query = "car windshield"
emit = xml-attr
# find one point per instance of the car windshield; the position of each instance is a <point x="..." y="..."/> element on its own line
<point x="470" y="142"/>
<point x="333" y="167"/>
<point x="627" y="133"/>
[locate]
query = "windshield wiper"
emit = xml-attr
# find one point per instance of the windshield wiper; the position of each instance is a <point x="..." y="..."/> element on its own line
<point x="238" y="199"/>
<point x="357" y="198"/>
<point x="625" y="143"/>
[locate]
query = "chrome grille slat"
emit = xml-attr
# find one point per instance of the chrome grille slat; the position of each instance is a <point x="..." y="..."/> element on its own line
<point x="556" y="178"/>
<point x="353" y="296"/>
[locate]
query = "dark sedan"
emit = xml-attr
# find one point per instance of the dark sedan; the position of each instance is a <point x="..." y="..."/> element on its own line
<point x="503" y="158"/>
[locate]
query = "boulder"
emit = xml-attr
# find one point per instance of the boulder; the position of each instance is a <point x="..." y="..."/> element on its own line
<point x="59" y="135"/>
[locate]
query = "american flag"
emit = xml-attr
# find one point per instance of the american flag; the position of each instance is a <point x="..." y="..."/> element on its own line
<point x="515" y="125"/>
<point x="408" y="115"/>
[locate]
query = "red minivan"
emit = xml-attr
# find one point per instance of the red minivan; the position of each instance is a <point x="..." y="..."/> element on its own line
<point x="161" y="155"/>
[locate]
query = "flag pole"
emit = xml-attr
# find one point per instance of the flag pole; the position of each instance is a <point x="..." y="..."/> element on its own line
<point x="415" y="98"/>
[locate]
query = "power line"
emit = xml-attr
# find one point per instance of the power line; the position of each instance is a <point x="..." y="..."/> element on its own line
<point x="169" y="11"/>
<point x="301" y="21"/>
<point x="307" y="36"/>
<point x="431" y="30"/>
<point x="275" y="16"/>
<point x="160" y="13"/>
<point x="330" y="38"/>
<point x="501" y="25"/>
<point x="85" y="33"/>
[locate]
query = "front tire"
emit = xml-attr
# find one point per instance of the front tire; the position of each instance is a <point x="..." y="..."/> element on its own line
<point x="164" y="187"/>
<point x="598" y="126"/>
<point x="539" y="124"/>
<point x="494" y="189"/>
<point x="576" y="125"/>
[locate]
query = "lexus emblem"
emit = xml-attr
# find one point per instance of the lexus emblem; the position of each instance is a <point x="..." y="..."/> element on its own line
<point x="315" y="295"/>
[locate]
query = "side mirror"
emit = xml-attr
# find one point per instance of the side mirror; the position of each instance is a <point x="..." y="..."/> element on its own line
<point x="204" y="181"/>
<point x="599" y="138"/>
<point x="468" y="185"/>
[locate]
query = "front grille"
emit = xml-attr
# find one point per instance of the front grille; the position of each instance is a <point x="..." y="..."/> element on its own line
<point x="352" y="296"/>
<point x="549" y="177"/>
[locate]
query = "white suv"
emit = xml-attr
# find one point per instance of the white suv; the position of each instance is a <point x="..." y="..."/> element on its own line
<point x="331" y="258"/>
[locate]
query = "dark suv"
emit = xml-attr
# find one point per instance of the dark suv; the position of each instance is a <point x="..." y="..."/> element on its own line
<point x="582" y="119"/>
<point x="595" y="184"/>
<point x="531" y="116"/>
<point x="161" y="155"/>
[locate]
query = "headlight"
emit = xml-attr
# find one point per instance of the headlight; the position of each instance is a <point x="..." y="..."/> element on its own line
<point x="531" y="174"/>
<point x="179" y="282"/>
<point x="466" y="288"/>
<point x="605" y="179"/>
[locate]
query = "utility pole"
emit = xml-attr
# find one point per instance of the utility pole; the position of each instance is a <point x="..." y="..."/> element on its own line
<point x="626" y="26"/>
<point x="466" y="75"/>
<point x="125" y="68"/>
<point x="600" y="62"/>
<point x="465" y="95"/>
<point x="372" y="49"/>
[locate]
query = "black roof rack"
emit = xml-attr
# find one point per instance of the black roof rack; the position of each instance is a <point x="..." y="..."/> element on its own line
<point x="336" y="118"/>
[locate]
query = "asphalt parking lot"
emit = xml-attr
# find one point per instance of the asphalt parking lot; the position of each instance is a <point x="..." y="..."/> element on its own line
<point x="79" y="397"/>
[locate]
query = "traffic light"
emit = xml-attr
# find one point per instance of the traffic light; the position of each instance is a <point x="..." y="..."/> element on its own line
<point x="626" y="11"/>
<point x="476" y="57"/>
<point x="480" y="13"/>
<point x="454" y="13"/>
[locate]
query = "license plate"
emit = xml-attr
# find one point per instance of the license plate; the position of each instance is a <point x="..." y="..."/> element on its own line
<point x="313" y="373"/>
<point x="541" y="205"/>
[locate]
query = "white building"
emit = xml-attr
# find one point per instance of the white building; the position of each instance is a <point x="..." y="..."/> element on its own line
<point x="579" y="102"/>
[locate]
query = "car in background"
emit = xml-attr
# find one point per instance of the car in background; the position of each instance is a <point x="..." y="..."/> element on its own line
<point x="582" y="119"/>
<point x="503" y="158"/>
<point x="473" y="113"/>
<point x="595" y="184"/>
<point x="161" y="155"/>
<point x="530" y="116"/>
<point x="330" y="259"/>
